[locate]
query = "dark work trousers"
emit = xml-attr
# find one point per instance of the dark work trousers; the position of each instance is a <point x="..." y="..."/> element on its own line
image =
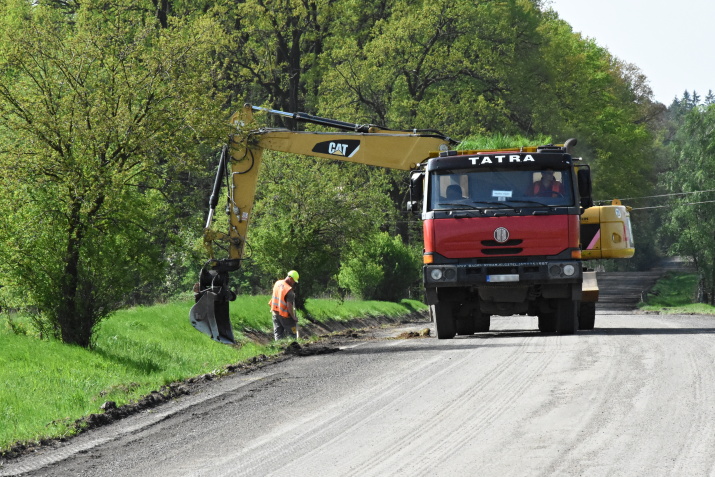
<point x="284" y="327"/>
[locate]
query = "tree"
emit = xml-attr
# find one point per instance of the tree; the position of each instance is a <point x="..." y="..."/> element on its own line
<point x="432" y="65"/>
<point x="276" y="45"/>
<point x="379" y="267"/>
<point x="690" y="226"/>
<point x="307" y="211"/>
<point x="102" y="108"/>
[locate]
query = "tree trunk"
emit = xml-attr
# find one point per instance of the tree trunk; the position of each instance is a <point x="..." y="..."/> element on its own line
<point x="67" y="316"/>
<point x="76" y="314"/>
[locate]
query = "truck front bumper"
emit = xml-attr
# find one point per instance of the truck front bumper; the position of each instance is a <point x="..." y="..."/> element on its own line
<point x="526" y="273"/>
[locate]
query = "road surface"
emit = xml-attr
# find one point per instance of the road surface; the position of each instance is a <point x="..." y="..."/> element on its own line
<point x="634" y="397"/>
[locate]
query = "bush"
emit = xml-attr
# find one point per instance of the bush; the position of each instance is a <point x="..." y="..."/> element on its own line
<point x="379" y="268"/>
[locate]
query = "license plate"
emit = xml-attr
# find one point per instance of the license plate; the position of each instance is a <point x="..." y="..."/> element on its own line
<point x="503" y="278"/>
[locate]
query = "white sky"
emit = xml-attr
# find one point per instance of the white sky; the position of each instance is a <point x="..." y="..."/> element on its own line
<point x="671" y="41"/>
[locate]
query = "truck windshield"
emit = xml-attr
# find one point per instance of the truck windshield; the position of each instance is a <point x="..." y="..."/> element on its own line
<point x="469" y="188"/>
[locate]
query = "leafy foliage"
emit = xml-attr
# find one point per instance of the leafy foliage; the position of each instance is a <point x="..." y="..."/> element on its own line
<point x="379" y="267"/>
<point x="690" y="224"/>
<point x="103" y="109"/>
<point x="306" y="212"/>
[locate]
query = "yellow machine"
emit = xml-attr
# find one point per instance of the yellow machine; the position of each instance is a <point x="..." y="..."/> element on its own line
<point x="239" y="166"/>
<point x="606" y="232"/>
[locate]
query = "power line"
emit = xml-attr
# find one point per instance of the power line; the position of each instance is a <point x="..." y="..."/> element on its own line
<point x="661" y="195"/>
<point x="673" y="205"/>
<point x="670" y="195"/>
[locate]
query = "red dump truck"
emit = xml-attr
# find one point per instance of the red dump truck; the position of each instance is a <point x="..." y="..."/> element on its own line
<point x="506" y="232"/>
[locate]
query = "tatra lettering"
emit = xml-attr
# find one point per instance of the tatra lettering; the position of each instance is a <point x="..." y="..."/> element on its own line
<point x="482" y="160"/>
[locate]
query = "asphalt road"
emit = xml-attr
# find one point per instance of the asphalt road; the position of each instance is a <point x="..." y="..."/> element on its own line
<point x="634" y="397"/>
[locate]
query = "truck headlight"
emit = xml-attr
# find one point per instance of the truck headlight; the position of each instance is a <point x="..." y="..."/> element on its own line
<point x="563" y="270"/>
<point x="443" y="273"/>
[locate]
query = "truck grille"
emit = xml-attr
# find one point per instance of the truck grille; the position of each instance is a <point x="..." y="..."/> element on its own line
<point x="502" y="251"/>
<point x="506" y="248"/>
<point x="508" y="243"/>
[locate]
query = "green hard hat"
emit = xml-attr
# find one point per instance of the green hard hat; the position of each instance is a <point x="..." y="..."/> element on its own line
<point x="294" y="275"/>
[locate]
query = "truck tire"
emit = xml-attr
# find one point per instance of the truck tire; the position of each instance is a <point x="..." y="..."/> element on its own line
<point x="477" y="322"/>
<point x="465" y="325"/>
<point x="482" y="322"/>
<point x="547" y="322"/>
<point x="587" y="316"/>
<point x="566" y="316"/>
<point x="443" y="320"/>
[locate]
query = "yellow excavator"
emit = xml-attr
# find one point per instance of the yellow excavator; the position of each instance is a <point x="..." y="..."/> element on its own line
<point x="495" y="241"/>
<point x="239" y="165"/>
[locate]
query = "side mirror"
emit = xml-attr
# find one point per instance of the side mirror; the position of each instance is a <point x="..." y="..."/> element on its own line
<point x="583" y="174"/>
<point x="416" y="191"/>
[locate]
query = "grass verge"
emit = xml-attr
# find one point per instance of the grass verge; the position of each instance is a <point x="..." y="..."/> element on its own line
<point x="45" y="386"/>
<point x="675" y="294"/>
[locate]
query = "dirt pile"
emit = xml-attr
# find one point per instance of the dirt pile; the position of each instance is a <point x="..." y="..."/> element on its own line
<point x="423" y="333"/>
<point x="295" y="349"/>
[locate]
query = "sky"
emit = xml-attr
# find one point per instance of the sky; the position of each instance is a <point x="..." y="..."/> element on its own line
<point x="671" y="41"/>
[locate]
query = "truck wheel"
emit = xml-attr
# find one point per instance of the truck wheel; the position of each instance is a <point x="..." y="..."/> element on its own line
<point x="443" y="320"/>
<point x="477" y="322"/>
<point x="566" y="316"/>
<point x="547" y="322"/>
<point x="587" y="316"/>
<point x="465" y="325"/>
<point x="481" y="322"/>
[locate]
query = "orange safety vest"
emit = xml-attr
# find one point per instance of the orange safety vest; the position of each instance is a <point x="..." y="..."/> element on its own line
<point x="278" y="301"/>
<point x="556" y="187"/>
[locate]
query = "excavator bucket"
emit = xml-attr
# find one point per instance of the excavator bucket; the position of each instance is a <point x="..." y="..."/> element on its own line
<point x="210" y="317"/>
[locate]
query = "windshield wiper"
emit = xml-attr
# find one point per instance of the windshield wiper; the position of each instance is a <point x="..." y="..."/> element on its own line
<point x="500" y="204"/>
<point x="522" y="201"/>
<point x="458" y="205"/>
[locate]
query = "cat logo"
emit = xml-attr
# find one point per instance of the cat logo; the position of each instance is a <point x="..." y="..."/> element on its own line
<point x="345" y="148"/>
<point x="337" y="148"/>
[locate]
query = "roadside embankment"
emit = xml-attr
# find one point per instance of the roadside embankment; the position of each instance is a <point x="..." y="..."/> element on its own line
<point x="308" y="328"/>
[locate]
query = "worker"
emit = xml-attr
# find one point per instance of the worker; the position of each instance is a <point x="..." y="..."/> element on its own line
<point x="548" y="186"/>
<point x="454" y="192"/>
<point x="285" y="320"/>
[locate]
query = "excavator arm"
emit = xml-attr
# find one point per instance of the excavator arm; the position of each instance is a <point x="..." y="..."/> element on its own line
<point x="239" y="166"/>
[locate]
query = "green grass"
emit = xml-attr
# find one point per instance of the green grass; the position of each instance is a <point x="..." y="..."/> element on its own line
<point x="675" y="293"/>
<point x="323" y="310"/>
<point x="46" y="385"/>
<point x="501" y="141"/>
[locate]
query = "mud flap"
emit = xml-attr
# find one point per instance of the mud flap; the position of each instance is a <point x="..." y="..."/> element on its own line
<point x="211" y="318"/>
